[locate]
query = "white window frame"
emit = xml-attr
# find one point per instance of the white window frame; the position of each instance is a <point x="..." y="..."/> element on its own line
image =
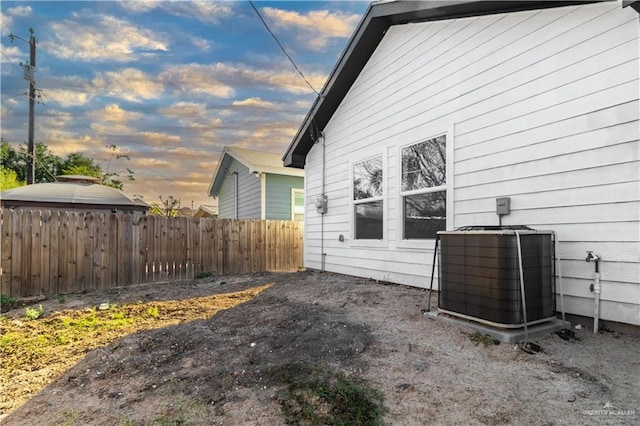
<point x="295" y="191"/>
<point x="448" y="187"/>
<point x="352" y="204"/>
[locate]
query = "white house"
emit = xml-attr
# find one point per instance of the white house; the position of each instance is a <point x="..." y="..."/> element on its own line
<point x="437" y="109"/>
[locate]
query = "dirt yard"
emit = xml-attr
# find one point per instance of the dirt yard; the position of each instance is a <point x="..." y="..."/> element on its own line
<point x="228" y="369"/>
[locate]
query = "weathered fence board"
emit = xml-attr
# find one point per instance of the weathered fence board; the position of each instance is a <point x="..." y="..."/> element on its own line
<point x="7" y="230"/>
<point x="55" y="252"/>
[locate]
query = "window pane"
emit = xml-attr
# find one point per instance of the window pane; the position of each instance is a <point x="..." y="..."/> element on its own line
<point x="367" y="179"/>
<point x="425" y="215"/>
<point x="424" y="165"/>
<point x="369" y="221"/>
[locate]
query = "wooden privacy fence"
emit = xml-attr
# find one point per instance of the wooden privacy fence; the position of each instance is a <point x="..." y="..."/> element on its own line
<point x="53" y="252"/>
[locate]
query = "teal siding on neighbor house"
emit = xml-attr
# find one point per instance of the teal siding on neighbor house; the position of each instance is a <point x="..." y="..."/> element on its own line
<point x="248" y="193"/>
<point x="278" y="195"/>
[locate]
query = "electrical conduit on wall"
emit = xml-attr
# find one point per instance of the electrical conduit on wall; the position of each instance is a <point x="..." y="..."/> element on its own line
<point x="323" y="211"/>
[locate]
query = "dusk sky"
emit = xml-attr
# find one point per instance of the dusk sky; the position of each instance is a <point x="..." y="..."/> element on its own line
<point x="168" y="83"/>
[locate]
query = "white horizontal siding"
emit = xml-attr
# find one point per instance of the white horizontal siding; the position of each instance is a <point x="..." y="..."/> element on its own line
<point x="540" y="106"/>
<point x="574" y="177"/>
<point x="614" y="311"/>
<point x="621" y="292"/>
<point x="588" y="159"/>
<point x="620" y="251"/>
<point x="599" y="194"/>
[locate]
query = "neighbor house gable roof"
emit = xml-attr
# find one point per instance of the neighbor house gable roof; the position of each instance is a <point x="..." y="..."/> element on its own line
<point x="368" y="34"/>
<point x="255" y="161"/>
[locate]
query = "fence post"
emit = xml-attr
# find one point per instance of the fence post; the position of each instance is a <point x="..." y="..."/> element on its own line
<point x="7" y="241"/>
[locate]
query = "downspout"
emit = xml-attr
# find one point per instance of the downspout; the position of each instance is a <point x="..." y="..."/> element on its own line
<point x="323" y="254"/>
<point x="236" y="194"/>
<point x="595" y="288"/>
<point x="556" y="244"/>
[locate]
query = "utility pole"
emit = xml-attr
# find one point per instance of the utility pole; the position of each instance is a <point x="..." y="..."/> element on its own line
<point x="29" y="71"/>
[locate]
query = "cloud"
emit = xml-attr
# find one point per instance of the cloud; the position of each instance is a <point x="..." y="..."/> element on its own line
<point x="12" y="55"/>
<point x="315" y="29"/>
<point x="196" y="78"/>
<point x="6" y="18"/>
<point x="67" y="98"/>
<point x="220" y="79"/>
<point x="204" y="11"/>
<point x="140" y="6"/>
<point x="6" y="23"/>
<point x="254" y="103"/>
<point x="273" y="136"/>
<point x="129" y="84"/>
<point x="112" y="119"/>
<point x="104" y="38"/>
<point x="185" y="110"/>
<point x="22" y="11"/>
<point x="160" y="139"/>
<point x="62" y="142"/>
<point x="6" y="107"/>
<point x="201" y="43"/>
<point x="113" y="113"/>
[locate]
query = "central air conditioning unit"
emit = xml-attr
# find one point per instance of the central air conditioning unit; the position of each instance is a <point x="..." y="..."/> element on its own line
<point x="481" y="271"/>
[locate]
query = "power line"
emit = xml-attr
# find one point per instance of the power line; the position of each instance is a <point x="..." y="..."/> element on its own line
<point x="36" y="160"/>
<point x="122" y="138"/>
<point x="15" y="96"/>
<point x="143" y="165"/>
<point x="42" y="93"/>
<point x="282" y="47"/>
<point x="16" y="104"/>
<point x="10" y="61"/>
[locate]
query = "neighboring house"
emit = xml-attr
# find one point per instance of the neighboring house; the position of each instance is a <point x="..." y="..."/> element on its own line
<point x="437" y="109"/>
<point x="255" y="185"/>
<point x="72" y="193"/>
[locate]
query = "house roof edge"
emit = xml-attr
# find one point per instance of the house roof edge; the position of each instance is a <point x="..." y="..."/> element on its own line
<point x="365" y="39"/>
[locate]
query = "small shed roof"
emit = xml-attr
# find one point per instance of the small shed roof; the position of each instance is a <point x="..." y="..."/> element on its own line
<point x="255" y="161"/>
<point x="70" y="190"/>
<point x="206" y="210"/>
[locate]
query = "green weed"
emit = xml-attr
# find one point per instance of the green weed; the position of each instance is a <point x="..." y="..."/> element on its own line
<point x="152" y="312"/>
<point x="34" y="313"/>
<point x="485" y="339"/>
<point x="67" y="417"/>
<point x="187" y="414"/>
<point x="204" y="274"/>
<point x="332" y="399"/>
<point x="7" y="300"/>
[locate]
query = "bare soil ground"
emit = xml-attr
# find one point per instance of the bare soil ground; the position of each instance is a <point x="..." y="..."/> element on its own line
<point x="228" y="368"/>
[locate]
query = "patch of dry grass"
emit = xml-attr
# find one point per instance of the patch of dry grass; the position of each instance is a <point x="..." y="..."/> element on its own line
<point x="33" y="352"/>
